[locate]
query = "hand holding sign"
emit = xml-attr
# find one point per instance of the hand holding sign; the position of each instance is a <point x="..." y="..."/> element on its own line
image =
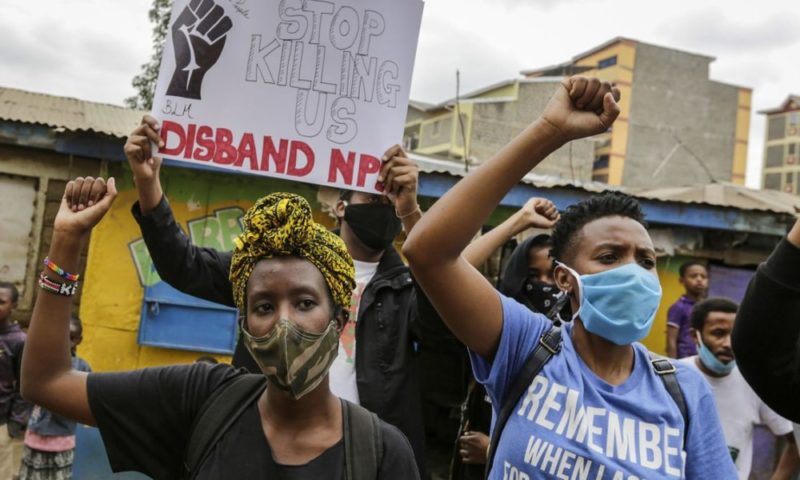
<point x="198" y="37"/>
<point x="400" y="176"/>
<point x="307" y="91"/>
<point x="582" y="107"/>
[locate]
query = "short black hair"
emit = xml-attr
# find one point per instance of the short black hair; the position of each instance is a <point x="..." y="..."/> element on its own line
<point x="13" y="288"/>
<point x="702" y="308"/>
<point x="565" y="232"/>
<point x="540" y="241"/>
<point x="691" y="263"/>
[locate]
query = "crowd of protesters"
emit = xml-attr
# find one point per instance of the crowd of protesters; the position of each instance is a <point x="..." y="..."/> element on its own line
<point x="332" y="322"/>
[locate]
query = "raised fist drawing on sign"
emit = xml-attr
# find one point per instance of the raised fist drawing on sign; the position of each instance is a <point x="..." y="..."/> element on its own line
<point x="198" y="37"/>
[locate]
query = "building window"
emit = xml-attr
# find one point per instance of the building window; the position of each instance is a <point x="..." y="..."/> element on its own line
<point x="603" y="178"/>
<point x="607" y="62"/>
<point x="772" y="181"/>
<point x="777" y="127"/>
<point x="600" y="162"/>
<point x="794" y="124"/>
<point x="774" y="156"/>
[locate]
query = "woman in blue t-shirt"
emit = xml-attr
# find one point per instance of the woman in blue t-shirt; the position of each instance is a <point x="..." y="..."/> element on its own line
<point x="597" y="409"/>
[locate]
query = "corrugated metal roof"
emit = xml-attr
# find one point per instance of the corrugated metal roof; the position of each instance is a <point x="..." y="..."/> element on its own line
<point x="68" y="113"/>
<point x="456" y="168"/>
<point x="792" y="102"/>
<point x="723" y="194"/>
<point x="718" y="194"/>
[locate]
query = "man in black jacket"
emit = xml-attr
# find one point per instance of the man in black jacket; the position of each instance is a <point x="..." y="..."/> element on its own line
<point x="766" y="337"/>
<point x="384" y="320"/>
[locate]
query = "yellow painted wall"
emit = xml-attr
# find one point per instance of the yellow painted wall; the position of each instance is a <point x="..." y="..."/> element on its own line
<point x="113" y="287"/>
<point x="622" y="75"/>
<point x="511" y="90"/>
<point x="656" y="341"/>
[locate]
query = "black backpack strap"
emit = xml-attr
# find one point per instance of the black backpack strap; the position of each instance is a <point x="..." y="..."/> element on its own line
<point x="217" y="414"/>
<point x="549" y="345"/>
<point x="666" y="370"/>
<point x="363" y="442"/>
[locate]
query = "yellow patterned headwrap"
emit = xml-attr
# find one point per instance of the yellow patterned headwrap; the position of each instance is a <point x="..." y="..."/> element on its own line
<point x="281" y="224"/>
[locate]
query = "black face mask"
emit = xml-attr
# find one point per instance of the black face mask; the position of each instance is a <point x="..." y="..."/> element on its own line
<point x="375" y="224"/>
<point x="541" y="295"/>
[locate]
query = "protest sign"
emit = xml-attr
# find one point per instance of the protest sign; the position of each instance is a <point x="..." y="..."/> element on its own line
<point x="306" y="90"/>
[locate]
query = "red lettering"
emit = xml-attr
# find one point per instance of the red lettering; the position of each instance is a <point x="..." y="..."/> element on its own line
<point x="293" y="169"/>
<point x="205" y="152"/>
<point x="341" y="165"/>
<point x="226" y="152"/>
<point x="366" y="166"/>
<point x="247" y="149"/>
<point x="278" y="157"/>
<point x="168" y="127"/>
<point x="187" y="152"/>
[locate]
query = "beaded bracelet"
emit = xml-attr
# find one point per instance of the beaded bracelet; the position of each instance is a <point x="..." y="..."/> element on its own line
<point x="72" y="277"/>
<point x="49" y="285"/>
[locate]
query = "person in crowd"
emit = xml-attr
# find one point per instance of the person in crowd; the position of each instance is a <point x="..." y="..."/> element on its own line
<point x="694" y="279"/>
<point x="50" y="439"/>
<point x="14" y="411"/>
<point x="598" y="407"/>
<point x="292" y="281"/>
<point x="739" y="408"/>
<point x="376" y="366"/>
<point x="766" y="337"/>
<point x="526" y="277"/>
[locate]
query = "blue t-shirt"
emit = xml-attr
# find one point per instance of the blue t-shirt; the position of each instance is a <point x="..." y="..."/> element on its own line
<point x="570" y="424"/>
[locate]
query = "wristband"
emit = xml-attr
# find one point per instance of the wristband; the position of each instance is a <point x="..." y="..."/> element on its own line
<point x="412" y="212"/>
<point x="72" y="277"/>
<point x="49" y="285"/>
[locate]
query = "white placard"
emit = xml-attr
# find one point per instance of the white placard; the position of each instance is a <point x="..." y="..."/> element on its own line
<point x="305" y="90"/>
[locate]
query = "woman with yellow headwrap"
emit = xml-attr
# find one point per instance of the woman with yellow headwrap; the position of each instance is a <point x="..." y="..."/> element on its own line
<point x="292" y="281"/>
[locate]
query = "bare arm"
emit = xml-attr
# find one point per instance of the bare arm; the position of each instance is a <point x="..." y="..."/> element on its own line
<point x="794" y="234"/>
<point x="672" y="341"/>
<point x="472" y="310"/>
<point x="536" y="213"/>
<point x="47" y="376"/>
<point x="789" y="463"/>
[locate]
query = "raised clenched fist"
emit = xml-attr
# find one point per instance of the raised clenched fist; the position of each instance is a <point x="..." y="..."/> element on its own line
<point x="582" y="107"/>
<point x="198" y="37"/>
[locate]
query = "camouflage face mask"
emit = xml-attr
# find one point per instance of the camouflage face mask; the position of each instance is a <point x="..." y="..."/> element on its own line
<point x="292" y="359"/>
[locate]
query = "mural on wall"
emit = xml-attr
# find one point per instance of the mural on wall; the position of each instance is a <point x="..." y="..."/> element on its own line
<point x="215" y="231"/>
<point x="208" y="207"/>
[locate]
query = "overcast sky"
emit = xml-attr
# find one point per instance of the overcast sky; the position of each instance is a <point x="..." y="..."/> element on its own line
<point x="90" y="49"/>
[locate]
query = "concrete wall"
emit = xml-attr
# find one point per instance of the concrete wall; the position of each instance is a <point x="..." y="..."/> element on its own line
<point x="495" y="124"/>
<point x="436" y="131"/>
<point x="50" y="173"/>
<point x="673" y="102"/>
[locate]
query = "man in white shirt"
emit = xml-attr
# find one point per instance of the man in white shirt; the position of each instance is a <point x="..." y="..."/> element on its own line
<point x="740" y="409"/>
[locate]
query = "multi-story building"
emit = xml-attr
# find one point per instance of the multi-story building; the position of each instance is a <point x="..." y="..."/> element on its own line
<point x="677" y="127"/>
<point x="782" y="146"/>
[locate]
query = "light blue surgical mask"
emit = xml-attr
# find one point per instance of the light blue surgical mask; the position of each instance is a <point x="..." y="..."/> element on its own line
<point x="619" y="304"/>
<point x="711" y="362"/>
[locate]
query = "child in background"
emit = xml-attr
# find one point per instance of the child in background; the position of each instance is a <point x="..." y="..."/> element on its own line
<point x="694" y="278"/>
<point x="14" y="410"/>
<point x="50" y="439"/>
